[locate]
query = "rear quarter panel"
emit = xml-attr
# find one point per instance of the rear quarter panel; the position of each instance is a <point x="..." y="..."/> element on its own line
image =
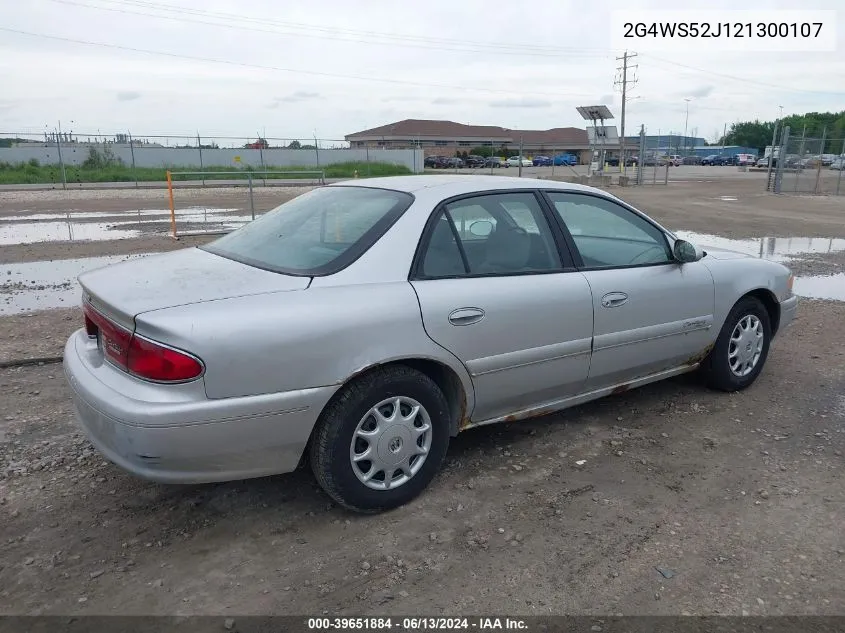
<point x="297" y="340"/>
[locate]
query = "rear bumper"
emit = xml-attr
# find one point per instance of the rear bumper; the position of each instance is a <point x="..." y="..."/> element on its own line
<point x="788" y="309"/>
<point x="173" y="439"/>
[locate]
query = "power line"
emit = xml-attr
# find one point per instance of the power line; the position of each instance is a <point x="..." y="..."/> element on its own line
<point x="280" y="69"/>
<point x="404" y="39"/>
<point x="623" y="81"/>
<point x="343" y="35"/>
<point x="744" y="80"/>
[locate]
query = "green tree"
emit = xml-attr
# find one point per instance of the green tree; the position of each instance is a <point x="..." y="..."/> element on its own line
<point x="812" y="124"/>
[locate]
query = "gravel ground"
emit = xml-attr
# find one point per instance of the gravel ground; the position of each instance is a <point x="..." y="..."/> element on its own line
<point x="689" y="501"/>
<point x="738" y="497"/>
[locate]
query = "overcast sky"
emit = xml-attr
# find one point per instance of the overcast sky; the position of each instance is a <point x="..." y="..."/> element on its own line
<point x="519" y="64"/>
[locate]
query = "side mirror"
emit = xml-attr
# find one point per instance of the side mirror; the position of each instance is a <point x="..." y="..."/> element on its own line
<point x="481" y="228"/>
<point x="686" y="252"/>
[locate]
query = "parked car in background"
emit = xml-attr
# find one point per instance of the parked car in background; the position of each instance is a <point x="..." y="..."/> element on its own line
<point x="454" y="163"/>
<point x="484" y="316"/>
<point x="516" y="161"/>
<point x="433" y="161"/>
<point x="495" y="161"/>
<point x="675" y="160"/>
<point x="810" y="162"/>
<point x="827" y="159"/>
<point x="838" y="163"/>
<point x="650" y="161"/>
<point x="692" y="160"/>
<point x="714" y="159"/>
<point x="541" y="161"/>
<point x="473" y="160"/>
<point x="746" y="159"/>
<point x="565" y="159"/>
<point x="764" y="162"/>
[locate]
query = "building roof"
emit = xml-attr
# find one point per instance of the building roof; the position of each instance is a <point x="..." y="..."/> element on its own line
<point x="414" y="128"/>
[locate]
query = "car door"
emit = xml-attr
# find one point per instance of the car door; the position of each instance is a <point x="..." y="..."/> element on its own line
<point x="496" y="292"/>
<point x="651" y="313"/>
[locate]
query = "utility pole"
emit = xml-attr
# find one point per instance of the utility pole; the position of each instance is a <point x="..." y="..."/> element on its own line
<point x="686" y="121"/>
<point x="623" y="81"/>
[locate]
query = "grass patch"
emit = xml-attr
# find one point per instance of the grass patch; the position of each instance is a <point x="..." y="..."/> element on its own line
<point x="35" y="173"/>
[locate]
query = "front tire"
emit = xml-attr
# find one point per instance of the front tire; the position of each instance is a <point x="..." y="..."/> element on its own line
<point x="381" y="440"/>
<point x="741" y="349"/>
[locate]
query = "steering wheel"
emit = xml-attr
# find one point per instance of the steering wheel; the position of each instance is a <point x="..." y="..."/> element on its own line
<point x="640" y="256"/>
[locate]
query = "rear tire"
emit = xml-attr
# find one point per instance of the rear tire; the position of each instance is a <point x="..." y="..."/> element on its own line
<point x="741" y="349"/>
<point x="407" y="441"/>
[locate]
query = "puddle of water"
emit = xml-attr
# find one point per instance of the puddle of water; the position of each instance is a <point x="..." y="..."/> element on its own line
<point x="781" y="249"/>
<point x="774" y="248"/>
<point x="48" y="228"/>
<point x="27" y="233"/>
<point x="821" y="287"/>
<point x="76" y="215"/>
<point x="728" y="198"/>
<point x="41" y="285"/>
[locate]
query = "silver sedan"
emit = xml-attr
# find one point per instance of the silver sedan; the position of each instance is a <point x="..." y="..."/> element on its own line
<point x="362" y="325"/>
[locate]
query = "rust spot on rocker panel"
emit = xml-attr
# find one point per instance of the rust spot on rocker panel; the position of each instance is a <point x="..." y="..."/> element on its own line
<point x="695" y="359"/>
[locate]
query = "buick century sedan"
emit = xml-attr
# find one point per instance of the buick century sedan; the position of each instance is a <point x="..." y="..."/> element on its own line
<point x="359" y="327"/>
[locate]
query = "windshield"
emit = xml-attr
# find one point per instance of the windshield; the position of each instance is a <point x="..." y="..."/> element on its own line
<point x="317" y="233"/>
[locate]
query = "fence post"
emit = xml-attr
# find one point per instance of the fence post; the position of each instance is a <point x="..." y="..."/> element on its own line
<point x="666" y="177"/>
<point x="61" y="161"/>
<point x="368" y="159"/>
<point x="784" y="143"/>
<point x="799" y="168"/>
<point x="841" y="158"/>
<point x="251" y="201"/>
<point x="317" y="149"/>
<point x="172" y="206"/>
<point x="520" y="157"/>
<point x="261" y="141"/>
<point x="641" y="158"/>
<point x="199" y="147"/>
<point x="771" y="157"/>
<point x="819" y="166"/>
<point x="132" y="152"/>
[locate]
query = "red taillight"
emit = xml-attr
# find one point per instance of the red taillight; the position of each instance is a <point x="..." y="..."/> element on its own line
<point x="155" y="362"/>
<point x="114" y="339"/>
<point x="139" y="356"/>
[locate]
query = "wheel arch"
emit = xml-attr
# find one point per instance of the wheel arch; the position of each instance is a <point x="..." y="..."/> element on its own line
<point x="770" y="302"/>
<point x="457" y="390"/>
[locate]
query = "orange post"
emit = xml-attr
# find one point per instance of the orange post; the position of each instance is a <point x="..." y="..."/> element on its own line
<point x="172" y="206"/>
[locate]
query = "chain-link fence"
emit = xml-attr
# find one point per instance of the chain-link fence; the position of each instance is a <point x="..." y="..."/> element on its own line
<point x="800" y="164"/>
<point x="72" y="158"/>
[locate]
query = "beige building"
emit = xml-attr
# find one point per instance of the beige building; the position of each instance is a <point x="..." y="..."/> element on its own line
<point x="447" y="137"/>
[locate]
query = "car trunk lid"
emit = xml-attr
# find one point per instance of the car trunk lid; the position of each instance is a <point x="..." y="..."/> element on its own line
<point x="122" y="291"/>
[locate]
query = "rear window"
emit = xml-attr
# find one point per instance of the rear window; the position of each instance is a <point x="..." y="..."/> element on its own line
<point x="317" y="233"/>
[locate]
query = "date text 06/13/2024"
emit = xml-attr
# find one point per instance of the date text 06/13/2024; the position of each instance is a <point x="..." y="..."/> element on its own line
<point x="417" y="624"/>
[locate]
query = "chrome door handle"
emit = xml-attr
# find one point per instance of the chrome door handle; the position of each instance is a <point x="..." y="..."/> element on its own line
<point x="614" y="299"/>
<point x="466" y="316"/>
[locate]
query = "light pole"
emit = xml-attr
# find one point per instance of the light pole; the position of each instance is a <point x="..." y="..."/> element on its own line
<point x="686" y="121"/>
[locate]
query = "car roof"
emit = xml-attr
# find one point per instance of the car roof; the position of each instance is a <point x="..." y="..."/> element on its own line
<point x="457" y="184"/>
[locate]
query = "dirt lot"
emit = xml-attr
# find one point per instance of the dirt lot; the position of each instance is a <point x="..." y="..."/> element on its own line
<point x="689" y="501"/>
